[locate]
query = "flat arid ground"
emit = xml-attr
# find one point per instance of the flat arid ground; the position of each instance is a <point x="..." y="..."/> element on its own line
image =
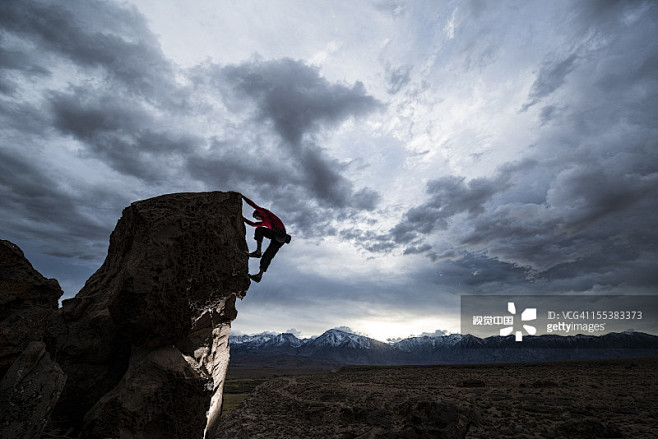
<point x="585" y="399"/>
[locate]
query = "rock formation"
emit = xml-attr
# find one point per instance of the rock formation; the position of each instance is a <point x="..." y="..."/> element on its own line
<point x="28" y="393"/>
<point x="144" y="344"/>
<point x="26" y="300"/>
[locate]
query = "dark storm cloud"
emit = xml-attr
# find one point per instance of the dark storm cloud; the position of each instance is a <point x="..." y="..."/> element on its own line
<point x="595" y="219"/>
<point x="366" y="199"/>
<point x="14" y="61"/>
<point x="480" y="273"/>
<point x="93" y="35"/>
<point x="551" y="76"/>
<point x="36" y="205"/>
<point x="323" y="177"/>
<point x="296" y="98"/>
<point x="17" y="60"/>
<point x="299" y="104"/>
<point x="450" y="196"/>
<point x="417" y="250"/>
<point x="367" y="239"/>
<point x="122" y="76"/>
<point x="593" y="227"/>
<point x="86" y="115"/>
<point x="120" y="131"/>
<point x="223" y="167"/>
<point x="23" y="117"/>
<point x="606" y="16"/>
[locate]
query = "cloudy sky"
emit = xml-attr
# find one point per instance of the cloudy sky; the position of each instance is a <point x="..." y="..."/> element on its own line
<point x="417" y="151"/>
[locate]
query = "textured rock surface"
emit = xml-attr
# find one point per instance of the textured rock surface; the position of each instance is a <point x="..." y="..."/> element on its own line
<point x="172" y="258"/>
<point x="158" y="391"/>
<point x="153" y="321"/>
<point x="26" y="300"/>
<point x="28" y="393"/>
<point x="211" y="357"/>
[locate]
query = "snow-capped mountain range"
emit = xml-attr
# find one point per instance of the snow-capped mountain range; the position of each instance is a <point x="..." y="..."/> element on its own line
<point x="349" y="348"/>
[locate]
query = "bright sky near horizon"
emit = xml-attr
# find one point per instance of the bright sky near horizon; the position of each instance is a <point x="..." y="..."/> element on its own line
<point x="417" y="151"/>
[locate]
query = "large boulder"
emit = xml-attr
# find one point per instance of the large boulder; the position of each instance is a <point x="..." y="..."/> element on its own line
<point x="152" y="323"/>
<point x="170" y="259"/>
<point x="28" y="393"/>
<point x="27" y="299"/>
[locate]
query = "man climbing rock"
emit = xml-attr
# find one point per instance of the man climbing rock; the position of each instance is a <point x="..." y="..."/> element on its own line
<point x="269" y="226"/>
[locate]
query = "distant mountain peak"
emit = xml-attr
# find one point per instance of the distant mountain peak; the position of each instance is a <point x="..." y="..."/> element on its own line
<point x="346" y="347"/>
<point x="339" y="337"/>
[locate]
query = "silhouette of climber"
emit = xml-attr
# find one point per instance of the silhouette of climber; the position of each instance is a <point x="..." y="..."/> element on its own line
<point x="268" y="226"/>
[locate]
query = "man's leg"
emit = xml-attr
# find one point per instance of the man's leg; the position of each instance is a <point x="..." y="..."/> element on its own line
<point x="258" y="236"/>
<point x="272" y="249"/>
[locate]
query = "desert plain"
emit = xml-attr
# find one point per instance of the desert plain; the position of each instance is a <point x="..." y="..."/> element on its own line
<point x="556" y="400"/>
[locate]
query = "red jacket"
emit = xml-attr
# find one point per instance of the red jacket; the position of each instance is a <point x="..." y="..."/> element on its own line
<point x="270" y="220"/>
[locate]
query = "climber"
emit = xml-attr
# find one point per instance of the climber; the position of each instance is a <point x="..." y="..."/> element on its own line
<point x="268" y="226"/>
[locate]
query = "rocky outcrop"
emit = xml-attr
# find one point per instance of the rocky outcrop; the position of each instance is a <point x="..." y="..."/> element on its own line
<point x="144" y="344"/>
<point x="26" y="300"/>
<point x="28" y="393"/>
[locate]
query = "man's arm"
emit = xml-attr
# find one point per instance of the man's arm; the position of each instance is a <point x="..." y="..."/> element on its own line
<point x="251" y="203"/>
<point x="251" y="223"/>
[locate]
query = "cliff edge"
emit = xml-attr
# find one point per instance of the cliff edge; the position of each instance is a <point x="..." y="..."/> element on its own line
<point x="144" y="344"/>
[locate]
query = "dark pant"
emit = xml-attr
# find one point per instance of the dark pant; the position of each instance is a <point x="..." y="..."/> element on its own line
<point x="274" y="246"/>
